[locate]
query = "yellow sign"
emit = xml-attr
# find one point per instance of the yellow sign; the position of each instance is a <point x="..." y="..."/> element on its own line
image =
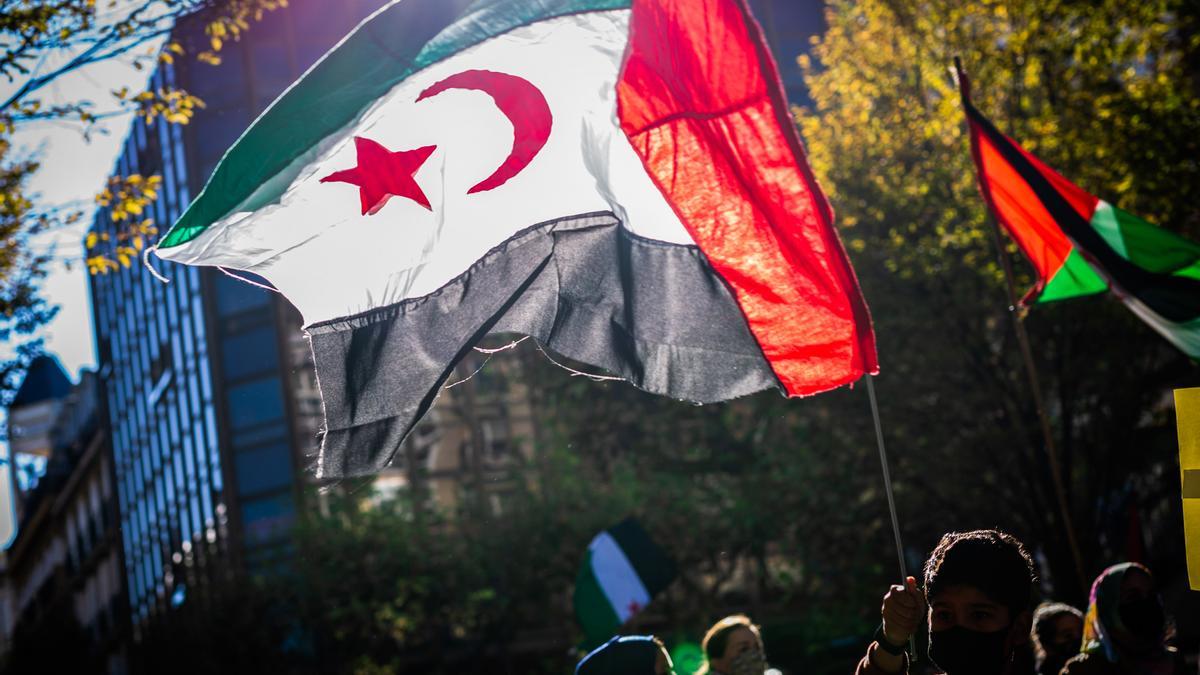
<point x="1187" y="415"/>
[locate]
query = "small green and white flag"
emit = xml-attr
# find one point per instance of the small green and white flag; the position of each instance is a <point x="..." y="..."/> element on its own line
<point x="623" y="571"/>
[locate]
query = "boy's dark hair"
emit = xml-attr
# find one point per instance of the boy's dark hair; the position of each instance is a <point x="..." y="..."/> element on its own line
<point x="995" y="562"/>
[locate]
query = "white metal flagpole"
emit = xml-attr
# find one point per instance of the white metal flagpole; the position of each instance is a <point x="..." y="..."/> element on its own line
<point x="891" y="497"/>
<point x="887" y="477"/>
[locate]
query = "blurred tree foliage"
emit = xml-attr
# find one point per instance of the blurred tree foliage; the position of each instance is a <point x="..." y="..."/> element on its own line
<point x="41" y="41"/>
<point x="372" y="588"/>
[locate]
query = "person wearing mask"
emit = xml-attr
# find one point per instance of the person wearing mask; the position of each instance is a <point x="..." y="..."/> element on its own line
<point x="1125" y="629"/>
<point x="733" y="646"/>
<point x="1057" y="635"/>
<point x="980" y="590"/>
<point x="628" y="655"/>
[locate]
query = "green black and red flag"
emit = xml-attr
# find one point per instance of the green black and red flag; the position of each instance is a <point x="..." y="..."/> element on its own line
<point x="1081" y="245"/>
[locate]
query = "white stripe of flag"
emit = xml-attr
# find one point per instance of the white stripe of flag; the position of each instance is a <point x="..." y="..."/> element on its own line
<point x="617" y="577"/>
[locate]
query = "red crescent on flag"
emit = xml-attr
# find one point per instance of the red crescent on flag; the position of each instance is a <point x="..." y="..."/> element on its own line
<point x="521" y="102"/>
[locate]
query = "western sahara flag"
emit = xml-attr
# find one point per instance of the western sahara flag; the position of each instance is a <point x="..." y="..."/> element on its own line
<point x="624" y="570"/>
<point x="1080" y="244"/>
<point x="618" y="178"/>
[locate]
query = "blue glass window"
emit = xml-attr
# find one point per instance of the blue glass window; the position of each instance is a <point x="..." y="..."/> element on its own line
<point x="263" y="469"/>
<point x="272" y="67"/>
<point x="267" y="518"/>
<point x="250" y="353"/>
<point x="255" y="402"/>
<point x="210" y="426"/>
<point x="224" y="85"/>
<point x="198" y="320"/>
<point x="206" y="502"/>
<point x="317" y="32"/>
<point x="235" y="296"/>
<point x="139" y="134"/>
<point x="161" y="335"/>
<point x="219" y="127"/>
<point x="260" y="434"/>
<point x="173" y="423"/>
<point x="189" y="345"/>
<point x="197" y="522"/>
<point x="194" y="390"/>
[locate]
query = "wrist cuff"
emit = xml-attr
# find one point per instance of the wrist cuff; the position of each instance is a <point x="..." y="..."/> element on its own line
<point x="886" y="645"/>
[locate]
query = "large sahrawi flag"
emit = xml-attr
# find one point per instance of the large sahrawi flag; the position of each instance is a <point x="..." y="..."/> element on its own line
<point x="622" y="572"/>
<point x="619" y="179"/>
<point x="1080" y="244"/>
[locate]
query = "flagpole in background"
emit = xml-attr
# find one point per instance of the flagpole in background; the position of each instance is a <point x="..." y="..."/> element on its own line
<point x="1035" y="386"/>
<point x="1026" y="353"/>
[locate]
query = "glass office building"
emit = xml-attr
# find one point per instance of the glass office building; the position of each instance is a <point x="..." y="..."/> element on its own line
<point x="212" y="398"/>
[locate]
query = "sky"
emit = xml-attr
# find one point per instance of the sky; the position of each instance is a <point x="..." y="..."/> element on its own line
<point x="73" y="170"/>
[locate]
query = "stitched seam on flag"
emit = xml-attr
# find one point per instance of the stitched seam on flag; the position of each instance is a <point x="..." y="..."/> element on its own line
<point x="194" y="231"/>
<point x="863" y="344"/>
<point x="702" y="117"/>
<point x="679" y="214"/>
<point x="636" y="342"/>
<point x="728" y="286"/>
<point x="616" y="576"/>
<point x="377" y="314"/>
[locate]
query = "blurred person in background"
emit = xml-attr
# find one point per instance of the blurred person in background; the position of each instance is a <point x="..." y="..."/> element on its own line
<point x="733" y="646"/>
<point x="1057" y="636"/>
<point x="1125" y="631"/>
<point x="628" y="655"/>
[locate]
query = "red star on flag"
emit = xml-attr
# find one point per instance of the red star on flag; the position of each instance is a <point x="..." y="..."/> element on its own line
<point x="382" y="174"/>
<point x="634" y="607"/>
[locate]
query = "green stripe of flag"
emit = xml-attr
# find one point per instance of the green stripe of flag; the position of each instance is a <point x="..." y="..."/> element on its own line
<point x="1149" y="247"/>
<point x="596" y="615"/>
<point x="397" y="41"/>
<point x="1074" y="279"/>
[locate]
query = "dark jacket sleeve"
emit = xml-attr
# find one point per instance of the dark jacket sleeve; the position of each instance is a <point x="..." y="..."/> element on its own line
<point x="867" y="666"/>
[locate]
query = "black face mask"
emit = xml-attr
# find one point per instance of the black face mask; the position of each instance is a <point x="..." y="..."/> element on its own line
<point x="1144" y="618"/>
<point x="962" y="651"/>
